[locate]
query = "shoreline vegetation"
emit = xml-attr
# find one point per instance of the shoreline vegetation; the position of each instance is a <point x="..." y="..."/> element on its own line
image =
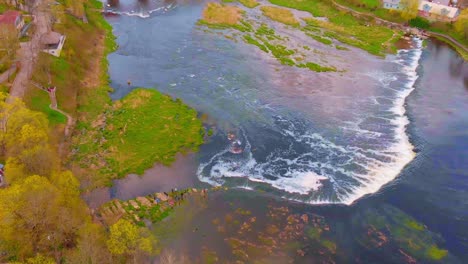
<point x="221" y="17"/>
<point x="327" y="25"/>
<point x="134" y="133"/>
<point x="343" y="21"/>
<point x="110" y="136"/>
<point x="43" y="219"/>
<point x="96" y="156"/>
<point x="371" y="8"/>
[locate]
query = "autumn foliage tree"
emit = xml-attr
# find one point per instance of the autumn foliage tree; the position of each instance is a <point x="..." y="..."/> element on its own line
<point x="9" y="43"/>
<point x="409" y="9"/>
<point x="131" y="242"/>
<point x="24" y="140"/>
<point x="461" y="25"/>
<point x="42" y="216"/>
<point x="39" y="217"/>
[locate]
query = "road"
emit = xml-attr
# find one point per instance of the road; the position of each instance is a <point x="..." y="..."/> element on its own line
<point x="28" y="54"/>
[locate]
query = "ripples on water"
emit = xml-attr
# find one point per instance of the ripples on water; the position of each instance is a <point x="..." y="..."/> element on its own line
<point x="297" y="154"/>
<point x="313" y="168"/>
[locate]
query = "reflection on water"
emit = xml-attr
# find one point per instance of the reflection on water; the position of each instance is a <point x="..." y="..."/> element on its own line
<point x="291" y="120"/>
<point x="157" y="179"/>
<point x="318" y="138"/>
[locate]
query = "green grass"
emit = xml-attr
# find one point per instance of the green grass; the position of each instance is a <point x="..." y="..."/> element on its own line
<point x="459" y="50"/>
<point x="373" y="7"/>
<point x="41" y="103"/>
<point x="341" y="47"/>
<point x="317" y="68"/>
<point x="435" y="253"/>
<point x="242" y="26"/>
<point x="320" y="39"/>
<point x="249" y="3"/>
<point x="3" y="8"/>
<point x="250" y="40"/>
<point x="414" y="225"/>
<point x="144" y="128"/>
<point x="281" y="15"/>
<point x="342" y="26"/>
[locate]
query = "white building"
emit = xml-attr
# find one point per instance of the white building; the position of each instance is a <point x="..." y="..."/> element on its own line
<point x="53" y="43"/>
<point x="438" y="10"/>
<point x="391" y="4"/>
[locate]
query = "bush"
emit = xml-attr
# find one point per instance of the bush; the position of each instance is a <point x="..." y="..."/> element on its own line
<point x="420" y="22"/>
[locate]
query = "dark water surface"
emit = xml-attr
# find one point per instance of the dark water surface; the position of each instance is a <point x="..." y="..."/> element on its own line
<point x="316" y="138"/>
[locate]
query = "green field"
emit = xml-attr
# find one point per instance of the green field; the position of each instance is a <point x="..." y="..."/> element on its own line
<point x="343" y="26"/>
<point x="144" y="128"/>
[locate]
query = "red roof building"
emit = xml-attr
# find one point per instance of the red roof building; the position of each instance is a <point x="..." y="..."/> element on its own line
<point x="12" y="17"/>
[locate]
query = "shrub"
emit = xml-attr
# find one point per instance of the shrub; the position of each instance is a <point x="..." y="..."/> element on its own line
<point x="420" y="22"/>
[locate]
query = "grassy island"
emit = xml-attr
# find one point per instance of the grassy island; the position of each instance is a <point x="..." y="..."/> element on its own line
<point x="137" y="131"/>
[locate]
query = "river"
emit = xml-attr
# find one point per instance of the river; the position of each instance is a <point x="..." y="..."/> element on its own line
<point x="387" y="136"/>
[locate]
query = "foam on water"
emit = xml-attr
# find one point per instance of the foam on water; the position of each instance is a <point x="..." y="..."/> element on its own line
<point x="327" y="172"/>
<point x="143" y="13"/>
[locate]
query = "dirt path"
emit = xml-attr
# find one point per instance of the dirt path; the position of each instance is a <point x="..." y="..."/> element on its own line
<point x="68" y="128"/>
<point x="28" y="54"/>
<point x="449" y="38"/>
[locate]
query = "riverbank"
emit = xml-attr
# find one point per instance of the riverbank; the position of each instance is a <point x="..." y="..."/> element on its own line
<point x="133" y="133"/>
<point x="438" y="30"/>
<point x="113" y="140"/>
<point x="227" y="81"/>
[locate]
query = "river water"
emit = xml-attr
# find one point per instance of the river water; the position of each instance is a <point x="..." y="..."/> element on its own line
<point x="400" y="123"/>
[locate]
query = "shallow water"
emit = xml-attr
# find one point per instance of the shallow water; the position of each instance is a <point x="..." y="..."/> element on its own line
<point x="317" y="138"/>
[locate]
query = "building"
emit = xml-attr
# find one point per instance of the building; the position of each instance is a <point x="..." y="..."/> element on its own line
<point x="13" y="18"/>
<point x="53" y="43"/>
<point x="391" y="4"/>
<point x="439" y="10"/>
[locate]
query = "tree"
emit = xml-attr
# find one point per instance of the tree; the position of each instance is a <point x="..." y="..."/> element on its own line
<point x="9" y="43"/>
<point x="40" y="259"/>
<point x="37" y="217"/>
<point x="24" y="138"/>
<point x="128" y="240"/>
<point x="409" y="9"/>
<point x="461" y="25"/>
<point x="75" y="7"/>
<point x="91" y="247"/>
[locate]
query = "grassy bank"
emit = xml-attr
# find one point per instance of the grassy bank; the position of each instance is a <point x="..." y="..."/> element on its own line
<point x="343" y="26"/>
<point x="373" y="8"/>
<point x="79" y="60"/>
<point x="459" y="50"/>
<point x="280" y="15"/>
<point x="221" y="17"/>
<point x="143" y="128"/>
<point x="114" y="139"/>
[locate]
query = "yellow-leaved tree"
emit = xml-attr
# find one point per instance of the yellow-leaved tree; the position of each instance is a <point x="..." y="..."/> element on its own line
<point x="42" y="216"/>
<point x="131" y="242"/>
<point x="24" y="139"/>
<point x="461" y="25"/>
<point x="39" y="217"/>
<point x="409" y="9"/>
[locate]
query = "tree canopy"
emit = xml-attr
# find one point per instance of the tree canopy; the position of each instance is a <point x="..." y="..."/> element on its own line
<point x="461" y="25"/>
<point x="409" y="9"/>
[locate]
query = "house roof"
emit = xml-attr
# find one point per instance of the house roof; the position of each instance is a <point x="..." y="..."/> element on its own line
<point x="438" y="9"/>
<point x="51" y="38"/>
<point x="9" y="17"/>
